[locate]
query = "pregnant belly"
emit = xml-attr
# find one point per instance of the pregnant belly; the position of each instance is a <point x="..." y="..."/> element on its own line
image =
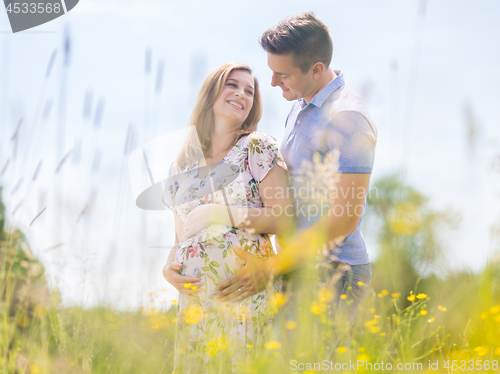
<point x="212" y="257"/>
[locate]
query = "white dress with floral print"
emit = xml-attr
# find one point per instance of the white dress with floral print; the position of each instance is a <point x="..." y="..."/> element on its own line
<point x="211" y="335"/>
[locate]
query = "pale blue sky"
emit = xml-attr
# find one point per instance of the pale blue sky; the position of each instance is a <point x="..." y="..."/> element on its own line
<point x="426" y="133"/>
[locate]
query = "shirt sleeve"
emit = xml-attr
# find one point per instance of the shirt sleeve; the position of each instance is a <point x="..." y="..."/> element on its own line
<point x="171" y="187"/>
<point x="263" y="154"/>
<point x="355" y="138"/>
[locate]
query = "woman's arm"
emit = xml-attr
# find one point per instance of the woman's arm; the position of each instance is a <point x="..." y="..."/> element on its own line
<point x="276" y="217"/>
<point x="171" y="270"/>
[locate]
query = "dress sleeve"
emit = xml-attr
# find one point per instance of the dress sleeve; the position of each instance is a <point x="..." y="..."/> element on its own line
<point x="263" y="154"/>
<point x="171" y="187"/>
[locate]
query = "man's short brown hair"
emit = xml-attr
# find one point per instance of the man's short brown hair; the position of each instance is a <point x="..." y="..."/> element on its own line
<point x="304" y="36"/>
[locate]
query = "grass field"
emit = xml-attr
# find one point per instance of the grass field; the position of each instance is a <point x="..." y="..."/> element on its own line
<point x="408" y="323"/>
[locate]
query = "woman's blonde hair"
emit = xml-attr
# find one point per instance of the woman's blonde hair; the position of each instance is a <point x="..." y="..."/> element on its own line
<point x="198" y="143"/>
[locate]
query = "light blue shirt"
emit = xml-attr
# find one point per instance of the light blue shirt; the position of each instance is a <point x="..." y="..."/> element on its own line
<point x="335" y="119"/>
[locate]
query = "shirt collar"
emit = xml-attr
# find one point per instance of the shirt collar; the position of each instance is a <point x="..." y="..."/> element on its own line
<point x="326" y="92"/>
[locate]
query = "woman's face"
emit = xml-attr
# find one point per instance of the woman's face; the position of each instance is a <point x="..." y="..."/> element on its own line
<point x="236" y="98"/>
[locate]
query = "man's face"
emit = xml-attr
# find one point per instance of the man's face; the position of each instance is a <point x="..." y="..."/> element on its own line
<point x="295" y="84"/>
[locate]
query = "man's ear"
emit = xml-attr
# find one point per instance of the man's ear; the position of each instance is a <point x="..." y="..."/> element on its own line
<point x="318" y="69"/>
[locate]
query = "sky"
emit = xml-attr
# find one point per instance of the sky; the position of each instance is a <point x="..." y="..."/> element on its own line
<point x="427" y="71"/>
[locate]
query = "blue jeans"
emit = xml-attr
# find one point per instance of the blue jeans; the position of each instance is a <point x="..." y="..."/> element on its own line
<point x="349" y="285"/>
<point x="353" y="281"/>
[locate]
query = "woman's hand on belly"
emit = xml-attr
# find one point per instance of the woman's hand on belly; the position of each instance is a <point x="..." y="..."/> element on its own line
<point x="201" y="217"/>
<point x="187" y="286"/>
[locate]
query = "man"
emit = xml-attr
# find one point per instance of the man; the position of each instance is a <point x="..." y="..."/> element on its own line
<point x="326" y="116"/>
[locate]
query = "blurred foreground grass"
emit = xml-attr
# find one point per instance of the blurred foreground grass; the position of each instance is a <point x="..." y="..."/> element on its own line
<point x="408" y="319"/>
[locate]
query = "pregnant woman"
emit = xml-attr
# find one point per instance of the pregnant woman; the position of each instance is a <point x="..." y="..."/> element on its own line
<point x="228" y="190"/>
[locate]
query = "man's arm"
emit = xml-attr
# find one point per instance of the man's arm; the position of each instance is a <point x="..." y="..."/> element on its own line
<point x="342" y="219"/>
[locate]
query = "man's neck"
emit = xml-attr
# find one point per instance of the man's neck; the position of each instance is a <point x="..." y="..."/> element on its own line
<point x="325" y="78"/>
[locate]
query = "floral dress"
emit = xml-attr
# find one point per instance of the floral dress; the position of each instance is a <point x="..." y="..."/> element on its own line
<point x="212" y="336"/>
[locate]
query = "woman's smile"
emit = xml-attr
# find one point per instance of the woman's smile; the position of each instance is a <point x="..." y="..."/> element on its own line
<point x="235" y="104"/>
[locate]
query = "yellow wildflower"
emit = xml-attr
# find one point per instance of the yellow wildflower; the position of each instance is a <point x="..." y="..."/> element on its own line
<point x="382" y="334"/>
<point x="241" y="313"/>
<point x="395" y="295"/>
<point x="423" y="312"/>
<point x="194" y="288"/>
<point x="193" y="314"/>
<point x="495" y="309"/>
<point x="249" y="345"/>
<point x="363" y="357"/>
<point x="343" y="297"/>
<point x="174" y="301"/>
<point x="34" y="369"/>
<point x="411" y="297"/>
<point x="482" y="351"/>
<point x="187" y="285"/>
<point x="325" y="295"/>
<point x="290" y="325"/>
<point x="396" y="319"/>
<point x="272" y="345"/>
<point x="421" y="296"/>
<point x="371" y="323"/>
<point x="442" y="308"/>
<point x="216" y="345"/>
<point x="385" y="292"/>
<point x="430" y="320"/>
<point x="158" y="323"/>
<point x="374" y="329"/>
<point x="360" y="283"/>
<point x="341" y="349"/>
<point x="318" y="308"/>
<point x="279" y="299"/>
<point x="372" y="310"/>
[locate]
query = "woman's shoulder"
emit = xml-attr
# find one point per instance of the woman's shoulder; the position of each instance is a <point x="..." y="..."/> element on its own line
<point x="258" y="137"/>
<point x="173" y="169"/>
<point x="176" y="169"/>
